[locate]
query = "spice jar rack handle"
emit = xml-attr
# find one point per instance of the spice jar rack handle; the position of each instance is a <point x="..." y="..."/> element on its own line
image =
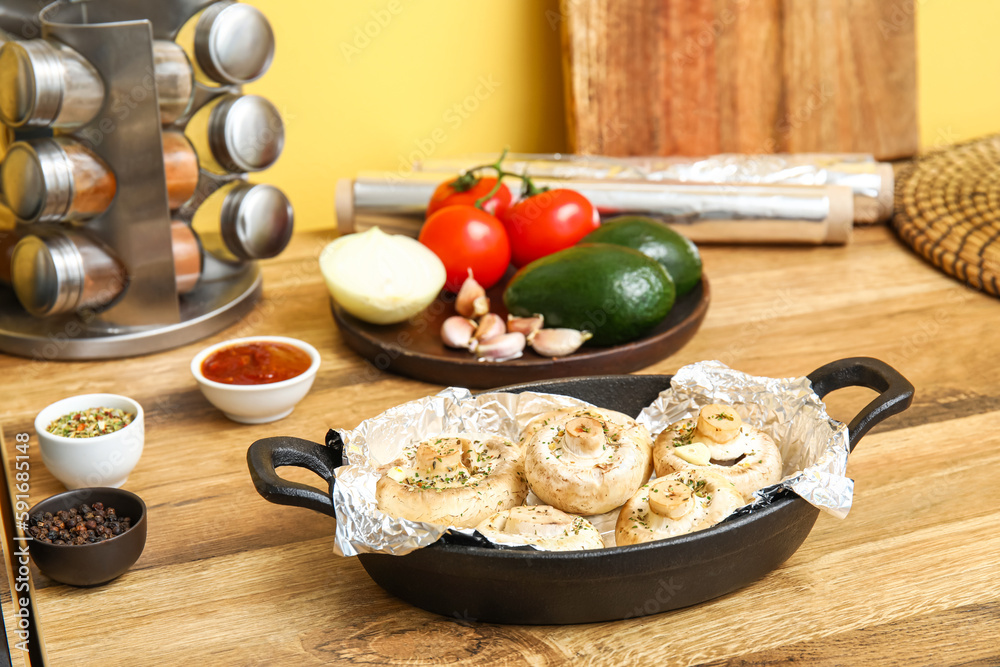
<point x="895" y="391"/>
<point x="264" y="456"/>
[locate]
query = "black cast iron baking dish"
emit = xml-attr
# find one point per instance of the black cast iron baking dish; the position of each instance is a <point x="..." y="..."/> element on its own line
<point x="456" y="578"/>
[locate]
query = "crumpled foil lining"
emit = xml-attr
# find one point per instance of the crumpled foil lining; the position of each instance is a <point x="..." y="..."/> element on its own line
<point x="814" y="447"/>
<point x="361" y="526"/>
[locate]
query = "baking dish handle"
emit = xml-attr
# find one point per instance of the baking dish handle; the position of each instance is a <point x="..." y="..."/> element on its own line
<point x="264" y="456"/>
<point x="895" y="391"/>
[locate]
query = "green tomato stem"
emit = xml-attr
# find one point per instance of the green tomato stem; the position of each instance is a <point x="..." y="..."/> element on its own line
<point x="496" y="186"/>
<point x="468" y="180"/>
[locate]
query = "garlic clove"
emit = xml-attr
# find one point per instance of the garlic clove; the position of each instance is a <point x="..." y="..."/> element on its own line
<point x="558" y="342"/>
<point x="472" y="301"/>
<point x="457" y="332"/>
<point x="489" y="327"/>
<point x="697" y="453"/>
<point x="501" y="348"/>
<point x="526" y="325"/>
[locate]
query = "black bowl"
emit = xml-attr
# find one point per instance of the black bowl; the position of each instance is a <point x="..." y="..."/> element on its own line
<point x="100" y="562"/>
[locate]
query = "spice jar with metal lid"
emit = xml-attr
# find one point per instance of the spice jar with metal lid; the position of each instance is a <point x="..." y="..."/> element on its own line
<point x="174" y="77"/>
<point x="56" y="179"/>
<point x="57" y="272"/>
<point x="8" y="240"/>
<point x="243" y="221"/>
<point x="60" y="179"/>
<point x="60" y="271"/>
<point x="237" y="134"/>
<point x="232" y="43"/>
<point x="180" y="162"/>
<point x="188" y="257"/>
<point x="46" y="84"/>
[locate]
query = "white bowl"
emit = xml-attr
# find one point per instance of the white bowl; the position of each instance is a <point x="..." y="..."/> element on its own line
<point x="104" y="460"/>
<point x="256" y="403"/>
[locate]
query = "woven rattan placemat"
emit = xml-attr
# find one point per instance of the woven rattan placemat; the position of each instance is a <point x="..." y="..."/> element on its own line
<point x="948" y="210"/>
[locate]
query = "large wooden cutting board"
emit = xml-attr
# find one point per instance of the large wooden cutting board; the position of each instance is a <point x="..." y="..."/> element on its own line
<point x="697" y="77"/>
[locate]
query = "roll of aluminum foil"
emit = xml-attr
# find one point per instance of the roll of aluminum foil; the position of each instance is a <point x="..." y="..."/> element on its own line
<point x="814" y="447"/>
<point x="870" y="181"/>
<point x="705" y="213"/>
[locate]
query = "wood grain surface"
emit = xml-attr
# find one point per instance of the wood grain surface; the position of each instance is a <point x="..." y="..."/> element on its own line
<point x="909" y="578"/>
<point x="698" y="77"/>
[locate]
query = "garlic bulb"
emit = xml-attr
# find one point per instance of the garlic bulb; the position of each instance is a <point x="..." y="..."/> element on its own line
<point x="381" y="278"/>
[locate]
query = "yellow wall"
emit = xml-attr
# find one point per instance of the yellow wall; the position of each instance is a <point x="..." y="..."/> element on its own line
<point x="351" y="106"/>
<point x="354" y="102"/>
<point x="958" y="55"/>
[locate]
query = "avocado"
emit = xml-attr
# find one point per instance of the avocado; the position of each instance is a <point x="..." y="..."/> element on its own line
<point x="678" y="255"/>
<point x="616" y="293"/>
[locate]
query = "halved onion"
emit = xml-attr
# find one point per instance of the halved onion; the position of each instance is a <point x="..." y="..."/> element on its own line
<point x="381" y="278"/>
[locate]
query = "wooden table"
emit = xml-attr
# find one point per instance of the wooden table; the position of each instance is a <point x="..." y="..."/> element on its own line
<point x="910" y="577"/>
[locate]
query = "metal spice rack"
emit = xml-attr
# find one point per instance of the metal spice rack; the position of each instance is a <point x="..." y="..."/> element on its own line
<point x="116" y="36"/>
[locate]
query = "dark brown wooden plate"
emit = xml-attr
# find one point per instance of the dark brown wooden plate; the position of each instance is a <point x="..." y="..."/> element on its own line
<point x="414" y="348"/>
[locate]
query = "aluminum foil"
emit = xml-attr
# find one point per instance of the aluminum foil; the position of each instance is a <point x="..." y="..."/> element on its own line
<point x="855" y="170"/>
<point x="361" y="526"/>
<point x="814" y="448"/>
<point x="869" y="180"/>
<point x="704" y="212"/>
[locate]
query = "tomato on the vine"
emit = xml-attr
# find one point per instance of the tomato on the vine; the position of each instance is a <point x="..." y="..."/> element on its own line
<point x="548" y="222"/>
<point x="465" y="237"/>
<point x="466" y="190"/>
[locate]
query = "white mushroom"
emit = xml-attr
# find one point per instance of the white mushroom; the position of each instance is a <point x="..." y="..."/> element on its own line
<point x="453" y="480"/>
<point x="676" y="504"/>
<point x="542" y="526"/>
<point x="545" y="419"/>
<point x="588" y="461"/>
<point x="719" y="441"/>
<point x="561" y="415"/>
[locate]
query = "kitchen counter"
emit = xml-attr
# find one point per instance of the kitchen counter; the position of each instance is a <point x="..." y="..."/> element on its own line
<point x="910" y="577"/>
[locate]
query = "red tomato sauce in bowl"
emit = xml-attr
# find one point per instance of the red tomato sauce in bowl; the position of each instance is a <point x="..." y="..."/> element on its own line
<point x="262" y="362"/>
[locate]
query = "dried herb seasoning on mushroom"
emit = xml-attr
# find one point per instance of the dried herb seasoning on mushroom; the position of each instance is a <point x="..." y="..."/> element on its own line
<point x="542" y="526"/>
<point x="453" y="480"/>
<point x="676" y="504"/>
<point x="720" y="442"/>
<point x="587" y="461"/>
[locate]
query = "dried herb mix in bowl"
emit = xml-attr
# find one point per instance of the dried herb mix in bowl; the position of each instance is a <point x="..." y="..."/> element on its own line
<point x="90" y="423"/>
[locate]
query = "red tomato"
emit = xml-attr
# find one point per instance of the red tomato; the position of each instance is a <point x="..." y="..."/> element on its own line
<point x="446" y="195"/>
<point x="465" y="237"/>
<point x="548" y="222"/>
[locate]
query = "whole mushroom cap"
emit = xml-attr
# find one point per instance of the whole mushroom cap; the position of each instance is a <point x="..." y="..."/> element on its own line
<point x="676" y="504"/>
<point x="720" y="442"/>
<point x="453" y="480"/>
<point x="542" y="526"/>
<point x="588" y="461"/>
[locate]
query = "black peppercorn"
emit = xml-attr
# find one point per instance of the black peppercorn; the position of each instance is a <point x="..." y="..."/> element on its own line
<point x="83" y="525"/>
